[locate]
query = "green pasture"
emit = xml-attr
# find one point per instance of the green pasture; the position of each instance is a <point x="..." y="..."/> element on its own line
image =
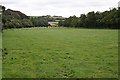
<point x="60" y="53"/>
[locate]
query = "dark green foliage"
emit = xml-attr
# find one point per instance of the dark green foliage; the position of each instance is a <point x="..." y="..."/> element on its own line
<point x="39" y="21"/>
<point x="16" y="19"/>
<point x="16" y="23"/>
<point x="14" y="14"/>
<point x="106" y="19"/>
<point x="91" y="20"/>
<point x="72" y="21"/>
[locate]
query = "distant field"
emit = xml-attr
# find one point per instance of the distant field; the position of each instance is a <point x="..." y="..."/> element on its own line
<point x="54" y="24"/>
<point x="60" y="52"/>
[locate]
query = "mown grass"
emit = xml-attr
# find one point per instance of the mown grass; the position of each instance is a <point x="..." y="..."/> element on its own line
<point x="60" y="52"/>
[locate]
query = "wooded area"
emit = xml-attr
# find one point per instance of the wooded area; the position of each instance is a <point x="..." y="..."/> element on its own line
<point x="107" y="19"/>
<point x="17" y="19"/>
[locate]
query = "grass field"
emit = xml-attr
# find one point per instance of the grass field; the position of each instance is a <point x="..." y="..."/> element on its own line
<point x="54" y="24"/>
<point x="60" y="52"/>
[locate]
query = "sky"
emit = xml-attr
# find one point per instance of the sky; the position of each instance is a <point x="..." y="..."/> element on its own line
<point x="63" y="8"/>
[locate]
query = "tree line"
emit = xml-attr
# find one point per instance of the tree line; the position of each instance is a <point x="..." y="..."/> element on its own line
<point x="107" y="19"/>
<point x="17" y="19"/>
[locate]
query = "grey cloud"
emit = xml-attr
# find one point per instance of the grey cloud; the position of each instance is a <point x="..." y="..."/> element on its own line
<point x="58" y="7"/>
<point x="8" y="1"/>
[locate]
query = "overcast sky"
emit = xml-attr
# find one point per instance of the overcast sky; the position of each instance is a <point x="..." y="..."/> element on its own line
<point x="63" y="8"/>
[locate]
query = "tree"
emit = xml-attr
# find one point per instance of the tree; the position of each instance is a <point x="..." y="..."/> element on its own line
<point x="82" y="21"/>
<point x="106" y="19"/>
<point x="15" y="19"/>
